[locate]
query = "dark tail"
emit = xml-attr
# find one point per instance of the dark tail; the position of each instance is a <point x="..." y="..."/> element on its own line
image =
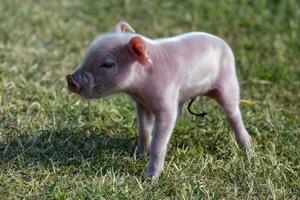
<point x="193" y="113"/>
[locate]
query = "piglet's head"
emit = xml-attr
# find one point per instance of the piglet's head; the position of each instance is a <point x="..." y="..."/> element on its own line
<point x="111" y="64"/>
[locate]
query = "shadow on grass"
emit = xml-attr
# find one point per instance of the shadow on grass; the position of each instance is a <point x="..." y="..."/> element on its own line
<point x="59" y="148"/>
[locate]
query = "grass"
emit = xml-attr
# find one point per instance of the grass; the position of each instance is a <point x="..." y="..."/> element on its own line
<point x="54" y="145"/>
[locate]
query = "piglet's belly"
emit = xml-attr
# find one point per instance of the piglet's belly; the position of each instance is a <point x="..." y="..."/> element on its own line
<point x="191" y="90"/>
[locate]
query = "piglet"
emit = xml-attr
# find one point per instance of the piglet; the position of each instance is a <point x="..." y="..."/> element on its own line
<point x="160" y="75"/>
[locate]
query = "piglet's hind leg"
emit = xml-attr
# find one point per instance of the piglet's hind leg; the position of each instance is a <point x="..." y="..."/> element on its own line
<point x="229" y="100"/>
<point x="234" y="117"/>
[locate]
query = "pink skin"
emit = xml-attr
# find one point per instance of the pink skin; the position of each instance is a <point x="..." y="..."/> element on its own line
<point x="160" y="75"/>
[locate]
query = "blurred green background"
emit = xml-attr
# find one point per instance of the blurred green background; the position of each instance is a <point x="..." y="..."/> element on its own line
<point x="54" y="145"/>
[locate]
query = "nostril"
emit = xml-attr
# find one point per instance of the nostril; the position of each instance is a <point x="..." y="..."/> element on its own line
<point x="73" y="86"/>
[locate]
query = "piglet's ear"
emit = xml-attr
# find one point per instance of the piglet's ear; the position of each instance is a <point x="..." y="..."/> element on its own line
<point x="138" y="48"/>
<point x="122" y="27"/>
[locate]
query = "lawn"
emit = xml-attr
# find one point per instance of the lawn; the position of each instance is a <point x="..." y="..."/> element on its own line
<point x="55" y="145"/>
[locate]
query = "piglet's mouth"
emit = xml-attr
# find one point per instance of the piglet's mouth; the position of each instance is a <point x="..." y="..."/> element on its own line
<point x="96" y="87"/>
<point x="72" y="84"/>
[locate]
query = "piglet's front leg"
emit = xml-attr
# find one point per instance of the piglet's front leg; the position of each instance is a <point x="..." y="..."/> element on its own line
<point x="165" y="121"/>
<point x="145" y="119"/>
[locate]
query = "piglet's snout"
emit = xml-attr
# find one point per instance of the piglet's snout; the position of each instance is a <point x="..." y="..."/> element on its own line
<point x="72" y="84"/>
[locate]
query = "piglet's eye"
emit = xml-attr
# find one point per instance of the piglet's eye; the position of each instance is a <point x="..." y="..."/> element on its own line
<point x="107" y="65"/>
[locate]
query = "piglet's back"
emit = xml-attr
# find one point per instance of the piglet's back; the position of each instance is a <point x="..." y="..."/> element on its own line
<point x="194" y="59"/>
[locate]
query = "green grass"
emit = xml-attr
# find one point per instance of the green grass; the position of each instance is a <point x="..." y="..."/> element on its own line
<point x="54" y="145"/>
